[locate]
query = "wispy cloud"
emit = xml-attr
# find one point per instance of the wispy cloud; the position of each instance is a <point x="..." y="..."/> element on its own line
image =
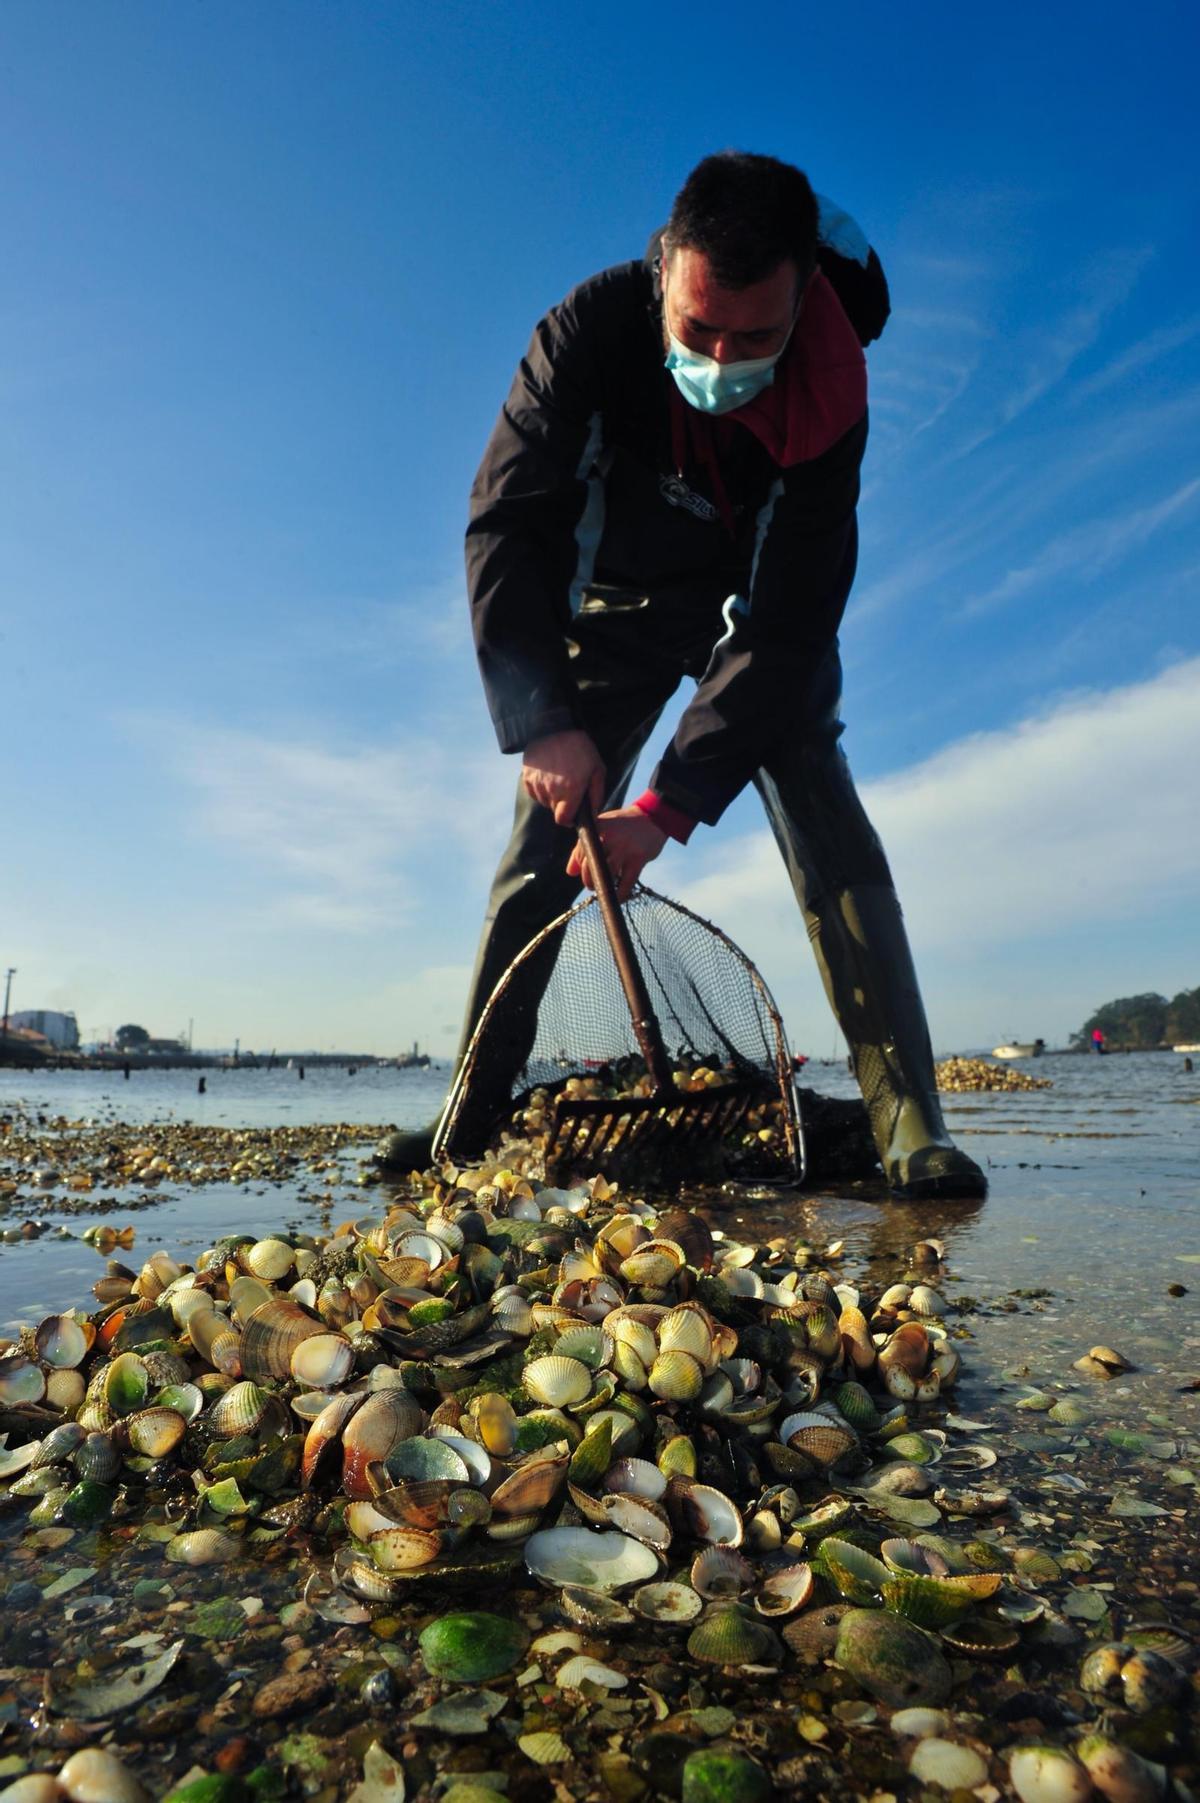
<point x="1085" y="551"/>
<point x="341" y="838"/>
<point x="1138" y="356"/>
<point x="1011" y="835"/>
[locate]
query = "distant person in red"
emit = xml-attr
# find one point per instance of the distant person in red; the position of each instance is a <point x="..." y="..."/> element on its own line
<point x="1097" y="1040"/>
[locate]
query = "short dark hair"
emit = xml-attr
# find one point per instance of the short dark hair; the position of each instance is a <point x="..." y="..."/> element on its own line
<point x="745" y="214"/>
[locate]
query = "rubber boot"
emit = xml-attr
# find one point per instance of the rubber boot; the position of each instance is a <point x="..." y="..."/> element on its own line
<point x="867" y="969"/>
<point x="409" y="1150"/>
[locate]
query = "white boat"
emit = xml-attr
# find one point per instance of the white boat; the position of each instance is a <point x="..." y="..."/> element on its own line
<point x="1033" y="1049"/>
<point x="1187" y="1048"/>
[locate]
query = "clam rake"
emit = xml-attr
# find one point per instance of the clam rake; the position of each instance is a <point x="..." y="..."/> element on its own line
<point x="661" y="1134"/>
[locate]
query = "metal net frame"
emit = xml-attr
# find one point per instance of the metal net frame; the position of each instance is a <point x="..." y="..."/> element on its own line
<point x="559" y="1012"/>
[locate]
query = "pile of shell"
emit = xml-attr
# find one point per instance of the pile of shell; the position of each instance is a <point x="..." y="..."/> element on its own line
<point x="758" y="1143"/>
<point x="981" y="1073"/>
<point x="662" y="1425"/>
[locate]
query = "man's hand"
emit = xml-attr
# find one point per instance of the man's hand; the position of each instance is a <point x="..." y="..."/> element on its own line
<point x="630" y="839"/>
<point x="560" y="770"/>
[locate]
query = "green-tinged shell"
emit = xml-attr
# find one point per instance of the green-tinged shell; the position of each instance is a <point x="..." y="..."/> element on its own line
<point x="591" y="1345"/>
<point x="593" y="1456"/>
<point x="86" y="1505"/>
<point x="1047" y="1775"/>
<point x="897" y="1662"/>
<point x="677" y="1457"/>
<point x="917" y="1449"/>
<point x="203" y="1546"/>
<point x="858" y="1575"/>
<point x="727" y="1637"/>
<point x="544" y="1747"/>
<point x="155" y="1432"/>
<point x="472" y="1647"/>
<point x="712" y="1776"/>
<point x="935" y="1602"/>
<point x="858" y="1407"/>
<point x="126" y="1384"/>
<point x="185" y="1399"/>
<point x="1035" y="1565"/>
<point x="424" y="1457"/>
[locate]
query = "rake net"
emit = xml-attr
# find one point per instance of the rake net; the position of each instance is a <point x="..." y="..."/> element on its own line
<point x="557" y="1025"/>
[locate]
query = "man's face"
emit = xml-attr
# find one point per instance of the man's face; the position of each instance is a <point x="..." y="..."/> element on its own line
<point x="730" y="325"/>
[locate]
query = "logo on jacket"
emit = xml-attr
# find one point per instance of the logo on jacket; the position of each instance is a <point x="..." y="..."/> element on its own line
<point x="677" y="493"/>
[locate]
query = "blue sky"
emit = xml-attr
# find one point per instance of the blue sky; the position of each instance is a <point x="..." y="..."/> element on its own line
<point x="267" y="272"/>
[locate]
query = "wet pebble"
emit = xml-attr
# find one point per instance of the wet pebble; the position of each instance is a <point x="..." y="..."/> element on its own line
<point x="22" y="1595"/>
<point x="295" y="1690"/>
<point x="380" y="1689"/>
<point x="95" y="1776"/>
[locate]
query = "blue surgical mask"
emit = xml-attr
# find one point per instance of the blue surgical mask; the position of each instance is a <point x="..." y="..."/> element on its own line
<point x="718" y="387"/>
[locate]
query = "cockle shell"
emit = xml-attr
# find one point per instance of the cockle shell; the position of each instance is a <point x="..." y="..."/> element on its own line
<point x="271" y="1335"/>
<point x="557" y="1381"/>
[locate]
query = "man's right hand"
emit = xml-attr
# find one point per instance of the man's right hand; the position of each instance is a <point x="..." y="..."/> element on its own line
<point x="560" y="770"/>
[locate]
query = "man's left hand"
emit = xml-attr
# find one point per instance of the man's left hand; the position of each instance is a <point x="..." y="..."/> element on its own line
<point x="630" y="839"/>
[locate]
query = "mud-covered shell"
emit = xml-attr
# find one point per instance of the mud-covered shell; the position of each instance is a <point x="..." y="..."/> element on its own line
<point x="667" y="1604"/>
<point x="720" y="1573"/>
<point x="784" y="1592"/>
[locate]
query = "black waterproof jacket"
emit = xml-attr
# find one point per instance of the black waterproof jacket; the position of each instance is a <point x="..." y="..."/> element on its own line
<point x="584" y="487"/>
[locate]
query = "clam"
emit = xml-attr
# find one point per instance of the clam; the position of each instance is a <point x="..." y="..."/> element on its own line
<point x="703" y="1512"/>
<point x="268" y="1259"/>
<point x="65" y="1390"/>
<point x="557" y="1381"/>
<point x="323" y="1359"/>
<point x="593" y="1608"/>
<point x="819" y="1437"/>
<point x="653" y="1265"/>
<point x="676" y="1376"/>
<point x="727" y="1637"/>
<point x="895" y="1661"/>
<point x="590" y="1344"/>
<point x="404" y="1549"/>
<point x="687" y="1329"/>
<point x="271" y="1335"/>
<point x="476" y="1458"/>
<point x="667" y="1604"/>
<point x="630" y="1331"/>
<point x="325" y="1433"/>
<point x="246" y="1294"/>
<point x="1048" y="1775"/>
<point x="98" y="1457"/>
<point x="63" y="1342"/>
<point x="375" y="1432"/>
<point x="532" y="1485"/>
<point x="645" y="1520"/>
<point x="471" y="1648"/>
<point x="155" y="1432"/>
<point x="935" y="1602"/>
<point x="21" y="1381"/>
<point x="636" y="1477"/>
<point x="1119" y="1773"/>
<point x="126" y="1384"/>
<point x="239" y="1411"/>
<point x="592" y="1457"/>
<point x="721" y="1573"/>
<point x="786" y="1591"/>
<point x="420" y="1457"/>
<point x="858" y="1574"/>
<point x="203" y="1546"/>
<point x="576" y="1556"/>
<point x="496" y="1423"/>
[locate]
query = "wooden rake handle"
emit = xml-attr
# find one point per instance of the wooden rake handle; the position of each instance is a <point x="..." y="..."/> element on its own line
<point x="645" y="1021"/>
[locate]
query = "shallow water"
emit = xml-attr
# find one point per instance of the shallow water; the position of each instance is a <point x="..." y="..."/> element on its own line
<point x="1092" y="1214"/>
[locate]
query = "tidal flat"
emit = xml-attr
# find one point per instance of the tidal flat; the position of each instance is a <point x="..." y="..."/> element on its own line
<point x="1057" y="1502"/>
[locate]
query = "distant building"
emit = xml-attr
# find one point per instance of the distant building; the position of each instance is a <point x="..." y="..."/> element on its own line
<point x="62" y="1030"/>
<point x="165" y="1048"/>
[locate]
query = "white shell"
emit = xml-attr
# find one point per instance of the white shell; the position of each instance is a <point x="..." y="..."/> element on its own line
<point x="947" y="1763"/>
<point x="595" y="1561"/>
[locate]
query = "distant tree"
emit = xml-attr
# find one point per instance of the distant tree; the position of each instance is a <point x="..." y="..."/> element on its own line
<point x="1139" y="1021"/>
<point x="132" y="1039"/>
<point x="1183" y="1018"/>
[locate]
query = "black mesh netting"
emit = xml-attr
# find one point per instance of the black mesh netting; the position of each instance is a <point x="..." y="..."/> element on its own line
<point x="559" y="1014"/>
